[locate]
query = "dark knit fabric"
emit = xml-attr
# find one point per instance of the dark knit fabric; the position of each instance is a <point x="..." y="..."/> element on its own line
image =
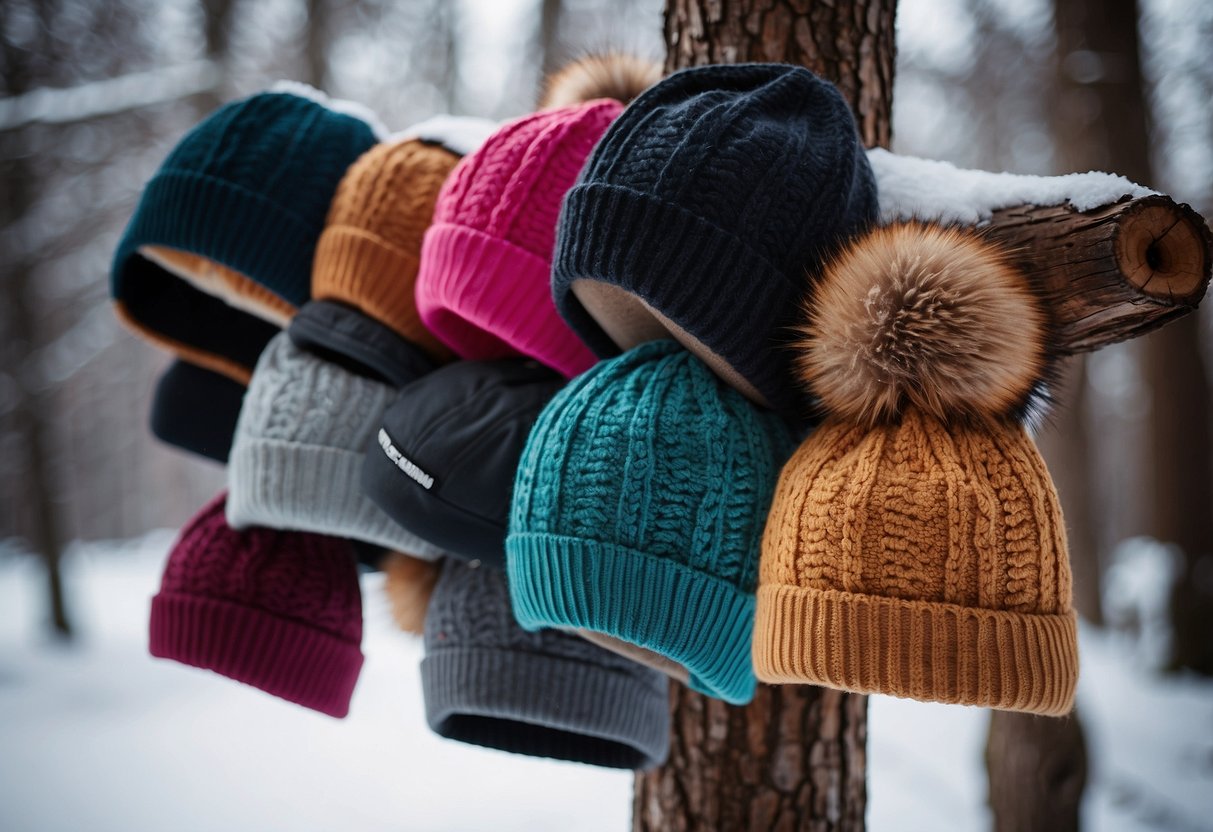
<point x="488" y="682"/>
<point x="357" y="342"/>
<point x="196" y="410"/>
<point x="248" y="188"/>
<point x="462" y="428"/>
<point x="710" y="198"/>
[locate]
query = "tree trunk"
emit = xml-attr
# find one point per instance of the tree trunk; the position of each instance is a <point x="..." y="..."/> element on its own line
<point x="794" y="758"/>
<point x="1038" y="768"/>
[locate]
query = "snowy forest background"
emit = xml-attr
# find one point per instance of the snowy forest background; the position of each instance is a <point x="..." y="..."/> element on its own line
<point x="94" y="92"/>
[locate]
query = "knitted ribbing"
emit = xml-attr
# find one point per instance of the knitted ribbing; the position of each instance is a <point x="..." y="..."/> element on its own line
<point x="295" y="596"/>
<point x="709" y="198"/>
<point x="300" y="441"/>
<point x="369" y="253"/>
<point x="547" y="693"/>
<point x="485" y="282"/>
<point x="919" y="560"/>
<point x="649" y="475"/>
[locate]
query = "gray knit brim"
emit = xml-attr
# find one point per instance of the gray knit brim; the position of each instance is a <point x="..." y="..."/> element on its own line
<point x="546" y="706"/>
<point x="310" y="488"/>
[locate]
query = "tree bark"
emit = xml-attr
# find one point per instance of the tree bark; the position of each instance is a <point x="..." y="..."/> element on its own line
<point x="1037" y="771"/>
<point x="1112" y="273"/>
<point x="794" y="758"/>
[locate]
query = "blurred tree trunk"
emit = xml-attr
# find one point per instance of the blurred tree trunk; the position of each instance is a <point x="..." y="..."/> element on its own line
<point x="1038" y="770"/>
<point x="794" y="758"/>
<point x="318" y="34"/>
<point x="30" y="412"/>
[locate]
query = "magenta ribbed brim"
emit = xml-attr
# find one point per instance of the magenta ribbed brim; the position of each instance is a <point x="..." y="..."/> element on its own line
<point x="486" y="298"/>
<point x="280" y="656"/>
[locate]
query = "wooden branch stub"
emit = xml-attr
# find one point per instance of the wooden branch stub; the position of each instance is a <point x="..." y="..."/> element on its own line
<point x="1112" y="273"/>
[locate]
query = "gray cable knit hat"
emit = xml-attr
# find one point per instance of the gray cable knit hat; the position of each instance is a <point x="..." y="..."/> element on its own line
<point x="299" y="445"/>
<point x="488" y="682"/>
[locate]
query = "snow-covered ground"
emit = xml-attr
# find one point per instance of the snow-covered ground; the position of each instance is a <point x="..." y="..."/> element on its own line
<point x="100" y="737"/>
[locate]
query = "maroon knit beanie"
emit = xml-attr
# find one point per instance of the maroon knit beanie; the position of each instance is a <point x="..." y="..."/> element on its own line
<point x="278" y="610"/>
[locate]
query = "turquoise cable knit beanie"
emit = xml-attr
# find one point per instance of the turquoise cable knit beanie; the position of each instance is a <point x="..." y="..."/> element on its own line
<point x="638" y="512"/>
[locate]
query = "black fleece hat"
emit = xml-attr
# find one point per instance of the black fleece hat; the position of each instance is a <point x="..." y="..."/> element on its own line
<point x="702" y="213"/>
<point x="345" y="336"/>
<point x="196" y="409"/>
<point x="443" y="464"/>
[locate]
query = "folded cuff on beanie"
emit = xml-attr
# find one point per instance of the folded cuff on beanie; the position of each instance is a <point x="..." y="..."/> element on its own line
<point x="487" y="298"/>
<point x="312" y="488"/>
<point x="697" y="620"/>
<point x="667" y="256"/>
<point x="280" y="656"/>
<point x="922" y="650"/>
<point x="368" y="272"/>
<point x="546" y="706"/>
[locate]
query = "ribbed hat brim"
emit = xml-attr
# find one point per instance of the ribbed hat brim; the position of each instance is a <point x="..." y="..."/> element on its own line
<point x="921" y="650"/>
<point x="546" y="706"/>
<point x="693" y="618"/>
<point x="280" y="656"/>
<point x="311" y="488"/>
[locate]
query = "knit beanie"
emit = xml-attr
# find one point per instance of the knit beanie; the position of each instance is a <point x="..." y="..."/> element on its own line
<point x="196" y="410"/>
<point x="701" y="210"/>
<point x="488" y="682"/>
<point x="299" y="445"/>
<point x="915" y="545"/>
<point x="638" y="509"/>
<point x="443" y="463"/>
<point x="280" y="611"/>
<point x="485" y="282"/>
<point x="230" y="222"/>
<point x="369" y="253"/>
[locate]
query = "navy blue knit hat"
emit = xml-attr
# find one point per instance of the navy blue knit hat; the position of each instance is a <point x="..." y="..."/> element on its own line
<point x="196" y="410"/>
<point x="700" y="212"/>
<point x="245" y="195"/>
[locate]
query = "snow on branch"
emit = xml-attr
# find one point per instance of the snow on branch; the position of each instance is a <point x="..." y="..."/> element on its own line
<point x="108" y="97"/>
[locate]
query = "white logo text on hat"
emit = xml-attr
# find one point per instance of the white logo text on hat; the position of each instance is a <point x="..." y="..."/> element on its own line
<point x="404" y="463"/>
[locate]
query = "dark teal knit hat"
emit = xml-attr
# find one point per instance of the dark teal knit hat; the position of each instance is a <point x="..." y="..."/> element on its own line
<point x="638" y="512"/>
<point x="248" y="189"/>
<point x="711" y="202"/>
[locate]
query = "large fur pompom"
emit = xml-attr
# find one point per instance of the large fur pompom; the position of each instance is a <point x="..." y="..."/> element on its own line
<point x="409" y="583"/>
<point x="933" y="317"/>
<point x="614" y="75"/>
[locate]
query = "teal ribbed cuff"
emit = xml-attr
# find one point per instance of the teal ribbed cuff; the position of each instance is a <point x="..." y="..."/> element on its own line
<point x="699" y="621"/>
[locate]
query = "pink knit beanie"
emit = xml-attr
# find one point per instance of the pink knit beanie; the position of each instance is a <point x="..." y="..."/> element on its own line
<point x="484" y="287"/>
<point x="280" y="611"/>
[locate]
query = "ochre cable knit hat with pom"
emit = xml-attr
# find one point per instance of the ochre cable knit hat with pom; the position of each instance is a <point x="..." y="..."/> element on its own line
<point x="915" y="545"/>
<point x="281" y="611"/>
<point x="368" y="256"/>
<point x="485" y="282"/>
<point x="225" y="231"/>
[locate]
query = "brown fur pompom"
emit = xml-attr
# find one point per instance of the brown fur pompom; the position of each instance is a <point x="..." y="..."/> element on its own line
<point x="409" y="583"/>
<point x="614" y="75"/>
<point x="933" y="317"/>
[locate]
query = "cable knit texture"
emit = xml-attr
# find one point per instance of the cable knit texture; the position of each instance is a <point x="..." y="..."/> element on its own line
<point x="485" y="282"/>
<point x="638" y="510"/>
<point x="370" y="251"/>
<point x="280" y="611"/>
<point x="708" y="199"/>
<point x="923" y="561"/>
<point x="248" y="188"/>
<point x="299" y="446"/>
<point x="547" y="693"/>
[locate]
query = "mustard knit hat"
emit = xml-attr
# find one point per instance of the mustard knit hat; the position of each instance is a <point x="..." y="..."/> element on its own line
<point x="915" y="544"/>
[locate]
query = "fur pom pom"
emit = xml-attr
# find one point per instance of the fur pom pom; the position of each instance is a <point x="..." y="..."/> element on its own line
<point x="409" y="583"/>
<point x="614" y="75"/>
<point x="932" y="317"/>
